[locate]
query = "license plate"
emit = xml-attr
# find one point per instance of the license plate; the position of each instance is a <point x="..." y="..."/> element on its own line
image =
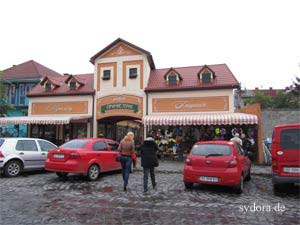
<point x="59" y="156"/>
<point x="209" y="179"/>
<point x="291" y="169"/>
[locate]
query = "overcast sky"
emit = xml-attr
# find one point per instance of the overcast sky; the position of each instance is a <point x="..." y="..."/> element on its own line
<point x="259" y="39"/>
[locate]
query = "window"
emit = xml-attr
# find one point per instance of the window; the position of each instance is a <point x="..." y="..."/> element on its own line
<point x="211" y="149"/>
<point x="206" y="77"/>
<point x="290" y="139"/>
<point x="132" y="73"/>
<point x="172" y="79"/>
<point x="45" y="146"/>
<point x="106" y="74"/>
<point x="22" y="94"/>
<point x="6" y="86"/>
<point x="113" y="146"/>
<point x="99" y="146"/>
<point x="48" y="86"/>
<point x="73" y="85"/>
<point x="12" y="94"/>
<point x="78" y="144"/>
<point x="26" y="145"/>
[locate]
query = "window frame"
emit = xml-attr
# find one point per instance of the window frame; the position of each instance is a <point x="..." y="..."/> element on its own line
<point x="47" y="86"/>
<point x="105" y="76"/>
<point x="132" y="75"/>
<point x="73" y="85"/>
<point x="208" y="75"/>
<point x="22" y="96"/>
<point x="173" y="76"/>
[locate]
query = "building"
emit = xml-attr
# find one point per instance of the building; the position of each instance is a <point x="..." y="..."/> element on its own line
<point x="127" y="92"/>
<point x="18" y="81"/>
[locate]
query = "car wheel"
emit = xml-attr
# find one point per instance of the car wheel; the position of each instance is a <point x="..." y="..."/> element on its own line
<point x="12" y="168"/>
<point x="188" y="185"/>
<point x="93" y="172"/>
<point x="248" y="177"/>
<point x="62" y="174"/>
<point x="277" y="187"/>
<point x="240" y="188"/>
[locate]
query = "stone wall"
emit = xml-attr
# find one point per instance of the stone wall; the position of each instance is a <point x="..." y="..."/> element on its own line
<point x="271" y="118"/>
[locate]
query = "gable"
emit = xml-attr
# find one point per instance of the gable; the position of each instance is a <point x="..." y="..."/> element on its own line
<point x="120" y="50"/>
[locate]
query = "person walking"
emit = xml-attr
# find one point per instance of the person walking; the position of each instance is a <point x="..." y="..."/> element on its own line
<point x="149" y="160"/>
<point x="126" y="149"/>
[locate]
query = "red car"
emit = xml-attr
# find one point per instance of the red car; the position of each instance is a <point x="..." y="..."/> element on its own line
<point x="85" y="156"/>
<point x="286" y="155"/>
<point x="217" y="162"/>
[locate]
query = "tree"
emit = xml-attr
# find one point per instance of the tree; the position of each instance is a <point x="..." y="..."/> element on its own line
<point x="4" y="105"/>
<point x="294" y="94"/>
<point x="260" y="97"/>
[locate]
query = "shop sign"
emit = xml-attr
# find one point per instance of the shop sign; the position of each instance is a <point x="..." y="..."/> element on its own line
<point x="128" y="106"/>
<point x="51" y="108"/>
<point x="120" y="105"/>
<point x="220" y="103"/>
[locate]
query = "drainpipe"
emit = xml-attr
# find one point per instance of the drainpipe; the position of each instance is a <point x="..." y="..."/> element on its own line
<point x="92" y="123"/>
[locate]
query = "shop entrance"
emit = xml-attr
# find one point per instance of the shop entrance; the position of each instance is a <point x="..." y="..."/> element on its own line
<point x="117" y="127"/>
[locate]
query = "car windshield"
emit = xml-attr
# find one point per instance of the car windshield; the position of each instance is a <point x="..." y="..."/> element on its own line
<point x="78" y="144"/>
<point x="290" y="139"/>
<point x="211" y="150"/>
<point x="1" y="142"/>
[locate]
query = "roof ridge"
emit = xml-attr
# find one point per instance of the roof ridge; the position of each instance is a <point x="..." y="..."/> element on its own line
<point x="191" y="66"/>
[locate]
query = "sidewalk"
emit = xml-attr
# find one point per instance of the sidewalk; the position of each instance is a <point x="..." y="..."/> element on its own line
<point x="177" y="167"/>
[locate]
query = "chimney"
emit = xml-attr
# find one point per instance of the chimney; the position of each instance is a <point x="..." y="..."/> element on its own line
<point x="256" y="89"/>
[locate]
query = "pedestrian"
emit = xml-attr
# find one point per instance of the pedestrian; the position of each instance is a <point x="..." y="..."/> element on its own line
<point x="126" y="149"/>
<point x="149" y="160"/>
<point x="237" y="139"/>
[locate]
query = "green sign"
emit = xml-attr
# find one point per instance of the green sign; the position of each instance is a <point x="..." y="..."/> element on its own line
<point x="129" y="106"/>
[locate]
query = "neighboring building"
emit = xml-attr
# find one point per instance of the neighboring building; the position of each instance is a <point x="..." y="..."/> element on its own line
<point x="18" y="80"/>
<point x="242" y="95"/>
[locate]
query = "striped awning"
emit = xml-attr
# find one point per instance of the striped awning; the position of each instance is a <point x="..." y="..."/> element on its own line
<point x="54" y="120"/>
<point x="200" y="119"/>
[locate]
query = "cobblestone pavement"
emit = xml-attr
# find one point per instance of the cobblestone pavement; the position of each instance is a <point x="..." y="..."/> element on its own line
<point x="43" y="198"/>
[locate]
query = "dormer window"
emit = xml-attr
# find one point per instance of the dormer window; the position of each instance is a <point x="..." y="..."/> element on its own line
<point x="48" y="86"/>
<point x="132" y="73"/>
<point x="206" y="75"/>
<point x="172" y="79"/>
<point x="73" y="86"/>
<point x="106" y="74"/>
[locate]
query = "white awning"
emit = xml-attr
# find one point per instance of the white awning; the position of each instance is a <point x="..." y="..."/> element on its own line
<point x="200" y="119"/>
<point x="41" y="119"/>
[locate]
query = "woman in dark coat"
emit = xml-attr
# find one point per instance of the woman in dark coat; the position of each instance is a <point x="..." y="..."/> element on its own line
<point x="149" y="160"/>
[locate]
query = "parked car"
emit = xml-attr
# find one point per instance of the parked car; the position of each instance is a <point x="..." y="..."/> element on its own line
<point x="85" y="156"/>
<point x="217" y="162"/>
<point x="20" y="154"/>
<point x="286" y="155"/>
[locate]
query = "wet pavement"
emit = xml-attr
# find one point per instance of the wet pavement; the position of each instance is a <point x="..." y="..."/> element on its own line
<point x="43" y="198"/>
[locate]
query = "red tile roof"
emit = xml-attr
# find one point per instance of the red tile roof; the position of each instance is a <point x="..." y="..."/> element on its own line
<point x="29" y="69"/>
<point x="62" y="87"/>
<point x="190" y="80"/>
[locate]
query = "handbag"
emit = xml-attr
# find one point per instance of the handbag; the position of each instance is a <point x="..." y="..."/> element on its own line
<point x="118" y="158"/>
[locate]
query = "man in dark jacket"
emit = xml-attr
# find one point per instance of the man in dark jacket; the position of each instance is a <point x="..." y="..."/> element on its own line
<point x="149" y="160"/>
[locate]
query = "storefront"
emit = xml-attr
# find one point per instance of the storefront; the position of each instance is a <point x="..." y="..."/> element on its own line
<point x="127" y="93"/>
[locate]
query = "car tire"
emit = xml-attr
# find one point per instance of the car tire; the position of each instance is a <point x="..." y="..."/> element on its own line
<point x="240" y="188"/>
<point x="188" y="185"/>
<point x="248" y="177"/>
<point x="13" y="168"/>
<point x="93" y="172"/>
<point x="277" y="187"/>
<point x="62" y="174"/>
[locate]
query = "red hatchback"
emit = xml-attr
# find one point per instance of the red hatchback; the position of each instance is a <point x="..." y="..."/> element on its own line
<point x="85" y="156"/>
<point x="217" y="162"/>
